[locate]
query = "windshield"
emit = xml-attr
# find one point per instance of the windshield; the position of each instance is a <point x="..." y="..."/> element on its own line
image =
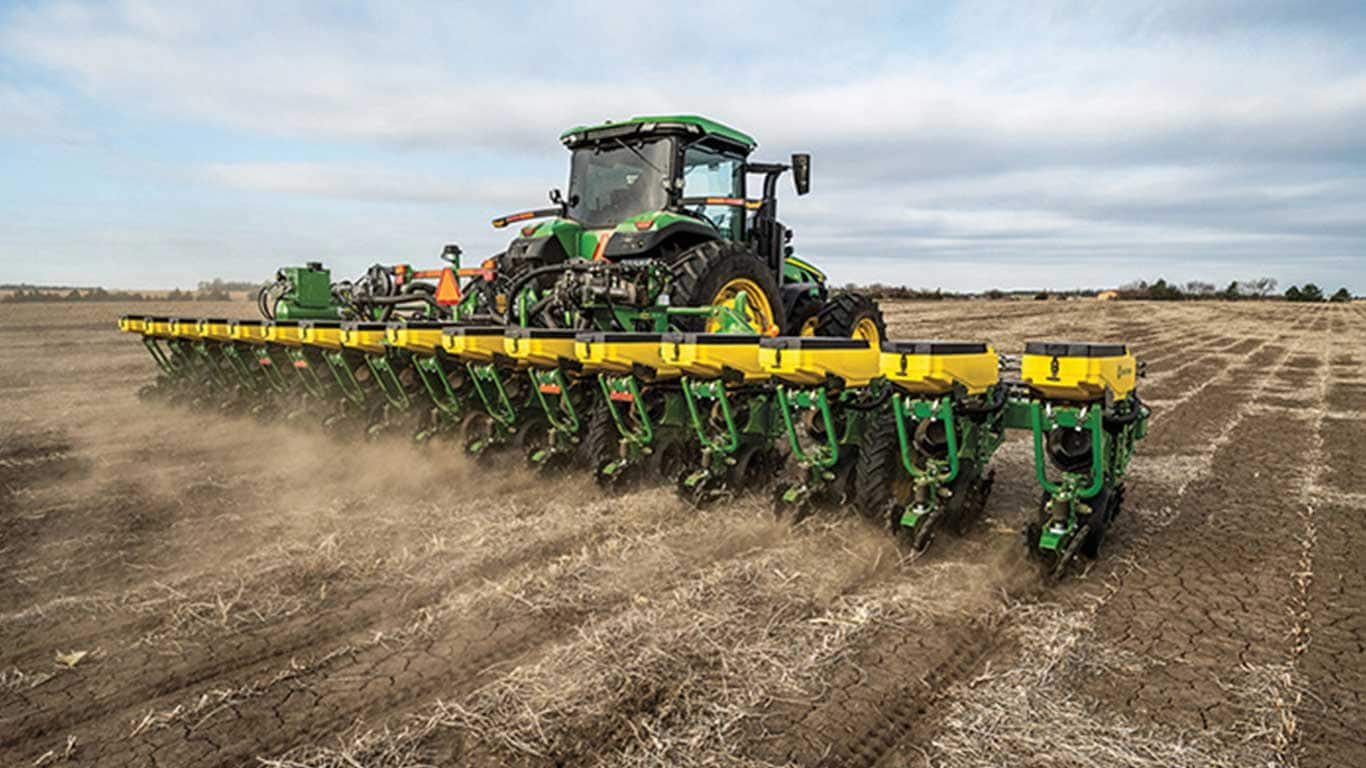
<point x="612" y="182"/>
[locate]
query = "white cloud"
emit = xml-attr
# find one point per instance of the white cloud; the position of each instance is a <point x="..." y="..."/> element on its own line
<point x="371" y="184"/>
<point x="1101" y="133"/>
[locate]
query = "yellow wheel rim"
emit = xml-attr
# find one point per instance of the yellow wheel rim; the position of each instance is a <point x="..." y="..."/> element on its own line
<point x="809" y="327"/>
<point x="758" y="312"/>
<point x="866" y="328"/>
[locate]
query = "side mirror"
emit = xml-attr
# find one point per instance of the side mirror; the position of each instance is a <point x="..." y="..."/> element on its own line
<point x="801" y="172"/>
<point x="451" y="253"/>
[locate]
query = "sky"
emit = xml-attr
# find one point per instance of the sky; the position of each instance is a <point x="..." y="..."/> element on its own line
<point x="967" y="146"/>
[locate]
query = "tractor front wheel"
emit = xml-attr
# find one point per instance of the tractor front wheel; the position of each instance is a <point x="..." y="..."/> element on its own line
<point x="852" y="315"/>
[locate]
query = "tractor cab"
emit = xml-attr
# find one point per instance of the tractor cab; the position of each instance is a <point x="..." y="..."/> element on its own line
<point x="619" y="171"/>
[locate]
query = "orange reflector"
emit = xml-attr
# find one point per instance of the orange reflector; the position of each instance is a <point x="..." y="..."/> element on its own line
<point x="644" y="224"/>
<point x="530" y="230"/>
<point x="300" y="363"/>
<point x="625" y="397"/>
<point x="448" y="290"/>
<point x="550" y="389"/>
<point x="264" y="361"/>
<point x="602" y="246"/>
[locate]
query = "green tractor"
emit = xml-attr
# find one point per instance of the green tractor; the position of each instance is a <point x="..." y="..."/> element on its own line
<point x="659" y="233"/>
<point x="656" y="233"/>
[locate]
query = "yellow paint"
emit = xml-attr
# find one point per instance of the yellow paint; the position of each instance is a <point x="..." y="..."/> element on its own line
<point x="322" y="337"/>
<point x="622" y="356"/>
<point x="366" y="340"/>
<point x="538" y="351"/>
<point x="215" y="331"/>
<point x="758" y="312"/>
<point x="157" y="327"/>
<point x="1080" y="378"/>
<point x="130" y="324"/>
<point x="801" y="366"/>
<point x="423" y="341"/>
<point x="476" y="345"/>
<point x="251" y="333"/>
<point x="936" y="374"/>
<point x="695" y="356"/>
<point x="286" y="335"/>
<point x="185" y="328"/>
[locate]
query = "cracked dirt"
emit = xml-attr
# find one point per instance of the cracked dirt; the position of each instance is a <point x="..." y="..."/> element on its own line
<point x="189" y="589"/>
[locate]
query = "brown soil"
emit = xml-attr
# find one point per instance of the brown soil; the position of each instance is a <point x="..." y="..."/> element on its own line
<point x="196" y="589"/>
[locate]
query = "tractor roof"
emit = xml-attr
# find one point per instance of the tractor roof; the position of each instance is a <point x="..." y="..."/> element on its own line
<point x="658" y="124"/>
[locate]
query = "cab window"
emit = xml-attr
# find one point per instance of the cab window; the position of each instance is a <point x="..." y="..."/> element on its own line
<point x="707" y="173"/>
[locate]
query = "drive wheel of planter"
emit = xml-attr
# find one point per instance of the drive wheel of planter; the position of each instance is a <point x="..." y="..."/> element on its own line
<point x="882" y="487"/>
<point x="600" y="446"/>
<point x="715" y="273"/>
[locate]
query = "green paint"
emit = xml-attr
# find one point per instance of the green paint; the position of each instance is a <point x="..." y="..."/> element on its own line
<point x="702" y="124"/>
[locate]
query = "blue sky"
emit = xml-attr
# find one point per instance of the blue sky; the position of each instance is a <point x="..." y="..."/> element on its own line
<point x="964" y="145"/>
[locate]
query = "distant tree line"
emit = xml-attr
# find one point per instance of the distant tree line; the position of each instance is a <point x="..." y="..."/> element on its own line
<point x="1312" y="293"/>
<point x="1161" y="290"/>
<point x="24" y="294"/>
<point x="216" y="289"/>
<point x="881" y="291"/>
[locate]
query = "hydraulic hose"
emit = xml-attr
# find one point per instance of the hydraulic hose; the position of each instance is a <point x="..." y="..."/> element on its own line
<point x="874" y="404"/>
<point x="520" y="282"/>
<point x="998" y="399"/>
<point x="1127" y="418"/>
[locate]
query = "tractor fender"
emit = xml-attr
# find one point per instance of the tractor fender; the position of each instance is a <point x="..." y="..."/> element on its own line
<point x="681" y="235"/>
<point x="530" y="252"/>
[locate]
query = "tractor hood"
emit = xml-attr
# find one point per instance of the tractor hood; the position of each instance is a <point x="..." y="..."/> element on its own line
<point x="637" y="234"/>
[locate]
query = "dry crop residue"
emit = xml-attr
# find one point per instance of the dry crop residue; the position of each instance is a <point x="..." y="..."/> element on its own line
<point x="187" y="589"/>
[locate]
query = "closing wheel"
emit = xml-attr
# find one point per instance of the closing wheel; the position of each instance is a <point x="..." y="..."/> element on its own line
<point x="716" y="272"/>
<point x="477" y="427"/>
<point x="1104" y="508"/>
<point x="674" y="457"/>
<point x="531" y="436"/>
<point x="752" y="469"/>
<point x="975" y="504"/>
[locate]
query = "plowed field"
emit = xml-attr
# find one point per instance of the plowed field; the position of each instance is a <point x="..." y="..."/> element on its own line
<point x="184" y="588"/>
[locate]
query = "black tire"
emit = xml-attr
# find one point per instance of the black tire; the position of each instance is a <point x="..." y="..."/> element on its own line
<point x="700" y="272"/>
<point x="807" y="308"/>
<point x="841" y="315"/>
<point x="879" y="466"/>
<point x="600" y="445"/>
<point x="1104" y="509"/>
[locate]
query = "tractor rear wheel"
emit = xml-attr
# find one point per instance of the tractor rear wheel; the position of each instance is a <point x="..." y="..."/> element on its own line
<point x="852" y="315"/>
<point x="715" y="272"/>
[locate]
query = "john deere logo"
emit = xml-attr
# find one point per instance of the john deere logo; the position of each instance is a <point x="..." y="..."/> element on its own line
<point x="1053" y="367"/>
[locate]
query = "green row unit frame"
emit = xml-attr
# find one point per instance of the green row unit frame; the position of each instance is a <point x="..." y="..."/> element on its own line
<point x="722" y="443"/>
<point x="964" y="438"/>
